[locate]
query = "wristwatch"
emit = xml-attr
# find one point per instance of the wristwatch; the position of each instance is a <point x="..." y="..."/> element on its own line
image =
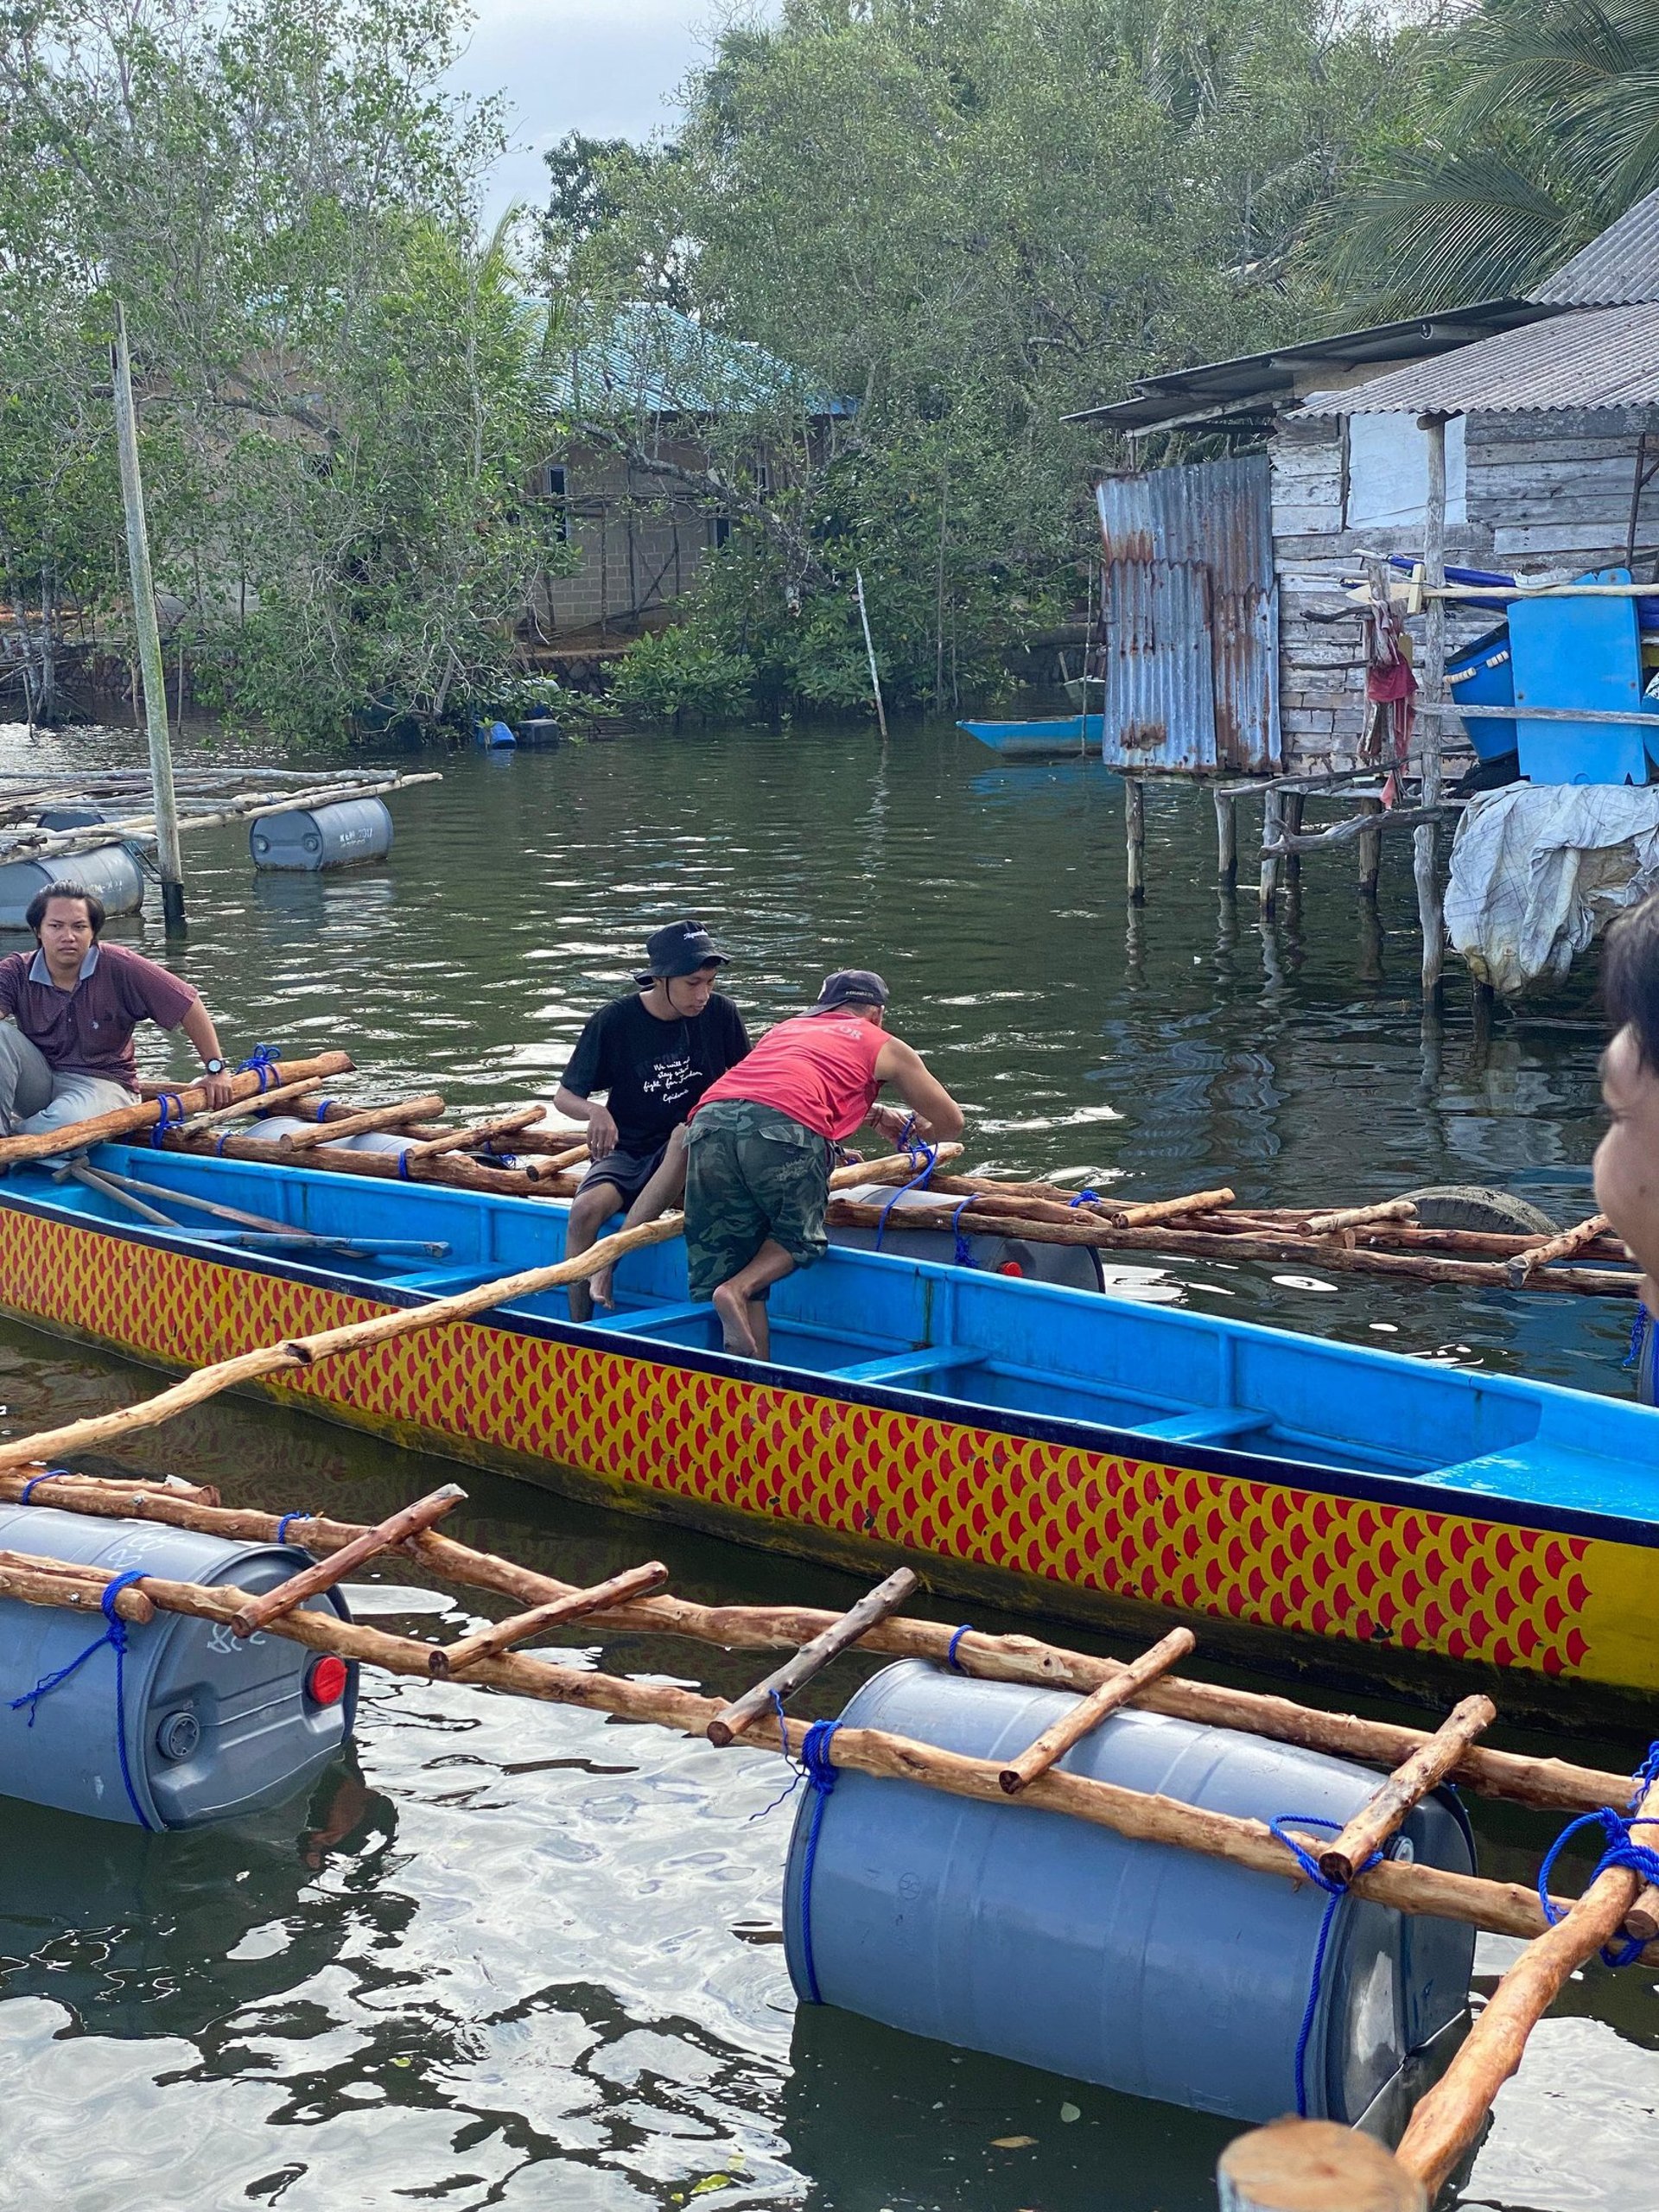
<point x="213" y="1067"/>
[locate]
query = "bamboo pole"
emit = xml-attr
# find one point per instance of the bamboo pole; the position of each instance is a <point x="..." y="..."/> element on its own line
<point x="1425" y="861"/>
<point x="1427" y="1768"/>
<point x="482" y="1133"/>
<point x="127" y="1121"/>
<point x="327" y="1343"/>
<point x="358" y="1125"/>
<point x="1563" y="1247"/>
<point x="253" y="806"/>
<point x="1090" y="1712"/>
<point x="1500" y="1908"/>
<point x="152" y="680"/>
<point x="323" y="1574"/>
<point x="1552" y="1785"/>
<point x="812" y="1658"/>
<point x="450" y="1659"/>
<point x="1450" y="2118"/>
<point x="1313" y="2165"/>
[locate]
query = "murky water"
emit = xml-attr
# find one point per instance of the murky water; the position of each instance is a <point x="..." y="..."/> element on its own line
<point x="521" y="1957"/>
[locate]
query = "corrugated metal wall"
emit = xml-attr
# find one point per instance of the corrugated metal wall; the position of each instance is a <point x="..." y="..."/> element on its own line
<point x="1190" y="643"/>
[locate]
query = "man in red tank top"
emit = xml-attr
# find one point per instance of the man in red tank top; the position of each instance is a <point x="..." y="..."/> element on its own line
<point x="762" y="1142"/>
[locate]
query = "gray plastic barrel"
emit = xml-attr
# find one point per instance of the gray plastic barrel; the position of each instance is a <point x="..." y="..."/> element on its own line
<point x="1138" y="1966"/>
<point x="274" y="1127"/>
<point x="111" y="872"/>
<point x="1074" y="1266"/>
<point x="215" y="1725"/>
<point x="323" y="836"/>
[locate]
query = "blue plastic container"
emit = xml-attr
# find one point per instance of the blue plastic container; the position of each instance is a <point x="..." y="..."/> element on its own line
<point x="1138" y="1966"/>
<point x="1582" y="654"/>
<point x="215" y="1724"/>
<point x="1482" y="675"/>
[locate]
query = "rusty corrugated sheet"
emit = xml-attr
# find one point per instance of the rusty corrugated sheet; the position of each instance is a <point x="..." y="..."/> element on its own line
<point x="1210" y="678"/>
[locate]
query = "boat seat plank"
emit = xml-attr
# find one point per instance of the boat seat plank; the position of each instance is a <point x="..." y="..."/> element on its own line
<point x="1200" y="1428"/>
<point x="928" y="1360"/>
<point x="647" y="1320"/>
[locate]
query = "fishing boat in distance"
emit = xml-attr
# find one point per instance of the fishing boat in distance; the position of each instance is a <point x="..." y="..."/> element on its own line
<point x="1057" y="737"/>
<point x="1041" y="1447"/>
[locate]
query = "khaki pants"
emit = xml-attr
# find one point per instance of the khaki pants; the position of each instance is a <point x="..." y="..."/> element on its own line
<point x="34" y="1096"/>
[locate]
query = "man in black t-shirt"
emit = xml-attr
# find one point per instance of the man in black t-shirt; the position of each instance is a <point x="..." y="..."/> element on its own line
<point x="653" y="1053"/>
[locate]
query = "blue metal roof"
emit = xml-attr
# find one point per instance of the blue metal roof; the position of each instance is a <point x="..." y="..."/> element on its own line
<point x="659" y="362"/>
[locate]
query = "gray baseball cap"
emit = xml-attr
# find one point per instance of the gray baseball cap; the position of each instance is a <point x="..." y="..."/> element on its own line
<point x="848" y="984"/>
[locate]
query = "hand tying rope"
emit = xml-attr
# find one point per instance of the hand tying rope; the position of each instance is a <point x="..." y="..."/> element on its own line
<point x="917" y="1149"/>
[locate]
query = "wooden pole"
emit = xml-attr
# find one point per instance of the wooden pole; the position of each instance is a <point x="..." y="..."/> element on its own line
<point x="1425" y="863"/>
<point x="869" y="650"/>
<point x="1293" y="806"/>
<point x="1563" y="1247"/>
<point x="1090" y="1712"/>
<point x="284" y="1094"/>
<point x="358" y="1125"/>
<point x="1271" y="826"/>
<point x="1134" y="834"/>
<point x="1323" y="1224"/>
<point x="812" y="1658"/>
<point x="310" y="1581"/>
<point x="1227" y="837"/>
<point x="169" y="859"/>
<point x="1425" y="1769"/>
<point x="1313" y="2165"/>
<point x="1450" y="2118"/>
<point x="1370" y="850"/>
<point x="450" y="1659"/>
<point x="127" y="1121"/>
<point x="1553" y="1785"/>
<point x="485" y="1132"/>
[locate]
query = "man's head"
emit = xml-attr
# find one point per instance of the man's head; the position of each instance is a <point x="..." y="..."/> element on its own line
<point x="684" y="965"/>
<point x="1627" y="1159"/>
<point x="65" y="919"/>
<point x="854" y="990"/>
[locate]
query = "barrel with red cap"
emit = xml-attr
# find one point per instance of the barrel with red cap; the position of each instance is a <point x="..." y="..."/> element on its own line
<point x="194" y="1725"/>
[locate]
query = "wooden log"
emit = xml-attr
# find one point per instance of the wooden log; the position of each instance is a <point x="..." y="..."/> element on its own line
<point x="327" y="1343"/>
<point x="1088" y="1712"/>
<point x="1313" y="2165"/>
<point x="284" y="1094"/>
<point x="1226" y="836"/>
<point x="453" y="1170"/>
<point x="1358" y="828"/>
<point x="1323" y="1224"/>
<point x="1641" y="1921"/>
<point x="73" y="1491"/>
<point x="358" y="1125"/>
<point x="1500" y="1908"/>
<point x="572" y="1156"/>
<point x="127" y="1121"/>
<point x="55" y="1582"/>
<point x="812" y="1658"/>
<point x="1271" y="812"/>
<point x="482" y="1133"/>
<point x="450" y="1659"/>
<point x="1553" y="1785"/>
<point x="323" y="1574"/>
<point x="1425" y="1769"/>
<point x="1369" y="845"/>
<point x="1563" y="1247"/>
<point x="1134" y="833"/>
<point x="1450" y="2118"/>
<point x="1143" y="1216"/>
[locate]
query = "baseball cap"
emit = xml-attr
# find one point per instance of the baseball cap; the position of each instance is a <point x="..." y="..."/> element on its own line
<point x="850" y="983"/>
<point x="680" y="949"/>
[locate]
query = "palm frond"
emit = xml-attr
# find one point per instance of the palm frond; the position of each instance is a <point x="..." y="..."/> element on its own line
<point x="1443" y="229"/>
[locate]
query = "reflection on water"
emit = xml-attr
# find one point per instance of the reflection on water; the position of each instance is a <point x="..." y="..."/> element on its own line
<point x="522" y="1956"/>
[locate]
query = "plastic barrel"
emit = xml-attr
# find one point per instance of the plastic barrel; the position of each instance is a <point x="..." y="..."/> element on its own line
<point x="214" y="1725"/>
<point x="273" y="1127"/>
<point x="1138" y="1966"/>
<point x="111" y="872"/>
<point x="323" y="836"/>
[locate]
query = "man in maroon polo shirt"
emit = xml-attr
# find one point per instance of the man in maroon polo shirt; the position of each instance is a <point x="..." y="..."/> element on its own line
<point x="67" y="1012"/>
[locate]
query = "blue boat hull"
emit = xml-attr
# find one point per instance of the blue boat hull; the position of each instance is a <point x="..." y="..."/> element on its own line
<point x="1040" y="1444"/>
<point x="1031" y="740"/>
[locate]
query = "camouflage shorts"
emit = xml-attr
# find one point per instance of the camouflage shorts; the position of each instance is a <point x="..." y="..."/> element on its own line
<point x="751" y="1174"/>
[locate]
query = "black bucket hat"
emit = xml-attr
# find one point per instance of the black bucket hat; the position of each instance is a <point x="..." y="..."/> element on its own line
<point x="679" y="949"/>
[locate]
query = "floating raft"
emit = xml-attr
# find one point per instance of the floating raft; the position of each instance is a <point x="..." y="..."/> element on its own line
<point x="1050" y="1449"/>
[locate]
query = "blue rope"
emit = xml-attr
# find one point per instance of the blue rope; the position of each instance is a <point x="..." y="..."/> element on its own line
<point x="404" y="1175"/>
<point x="261" y="1061"/>
<point x="795" y="1772"/>
<point x="115" y="1635"/>
<point x="816" y="1764"/>
<point x="960" y="1256"/>
<point x="1085" y="1199"/>
<point x="303" y="1513"/>
<point x="45" y="1476"/>
<point x="323" y="1105"/>
<point x="1623" y="1850"/>
<point x="950" y="1658"/>
<point x="1335" y="1891"/>
<point x="928" y="1155"/>
<point x="172" y="1107"/>
<point x="219" y="1149"/>
<point x="1639" y="1336"/>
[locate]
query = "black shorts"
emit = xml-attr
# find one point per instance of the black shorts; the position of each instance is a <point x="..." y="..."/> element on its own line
<point x="629" y="1171"/>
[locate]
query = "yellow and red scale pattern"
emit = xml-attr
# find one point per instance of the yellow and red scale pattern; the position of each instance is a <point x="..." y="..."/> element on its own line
<point x="1258" y="1551"/>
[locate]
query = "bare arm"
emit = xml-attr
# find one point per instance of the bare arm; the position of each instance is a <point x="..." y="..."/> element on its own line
<point x="198" y="1026"/>
<point x="938" y="1117"/>
<point x="601" y="1129"/>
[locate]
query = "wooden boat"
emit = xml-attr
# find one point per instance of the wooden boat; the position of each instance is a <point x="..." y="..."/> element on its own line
<point x="1047" y="1447"/>
<point x="1055" y="738"/>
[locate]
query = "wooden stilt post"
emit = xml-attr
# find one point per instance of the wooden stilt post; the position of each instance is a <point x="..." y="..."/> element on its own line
<point x="1227" y="836"/>
<point x="1292" y="807"/>
<point x="1313" y="2165"/>
<point x="1135" y="824"/>
<point x="1424" y="859"/>
<point x="1369" y="843"/>
<point x="168" y="856"/>
<point x="1271" y="824"/>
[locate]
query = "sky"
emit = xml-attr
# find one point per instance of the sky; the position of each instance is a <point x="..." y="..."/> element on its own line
<point x="607" y="67"/>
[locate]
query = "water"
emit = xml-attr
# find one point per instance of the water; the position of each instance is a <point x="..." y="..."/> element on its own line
<point x="519" y="1956"/>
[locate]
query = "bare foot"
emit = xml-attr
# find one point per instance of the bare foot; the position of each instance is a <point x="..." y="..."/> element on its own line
<point x="734" y="1311"/>
<point x="601" y="1286"/>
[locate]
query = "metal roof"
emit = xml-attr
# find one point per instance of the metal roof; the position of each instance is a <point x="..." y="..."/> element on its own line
<point x="1616" y="269"/>
<point x="1600" y="358"/>
<point x="1254" y="386"/>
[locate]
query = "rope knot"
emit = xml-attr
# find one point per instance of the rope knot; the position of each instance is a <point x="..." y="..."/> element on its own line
<point x="1639" y="1328"/>
<point x="261" y="1061"/>
<point x="1622" y="1850"/>
<point x="1334" y="1891"/>
<point x="172" y="1107"/>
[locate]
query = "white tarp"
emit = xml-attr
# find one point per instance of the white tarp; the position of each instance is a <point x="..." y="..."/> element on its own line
<point x="1537" y="870"/>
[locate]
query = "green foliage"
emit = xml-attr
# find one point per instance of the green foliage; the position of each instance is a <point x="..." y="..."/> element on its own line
<point x="970" y="217"/>
<point x="672" y="674"/>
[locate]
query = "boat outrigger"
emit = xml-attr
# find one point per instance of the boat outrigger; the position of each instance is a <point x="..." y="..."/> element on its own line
<point x="1041" y="1446"/>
